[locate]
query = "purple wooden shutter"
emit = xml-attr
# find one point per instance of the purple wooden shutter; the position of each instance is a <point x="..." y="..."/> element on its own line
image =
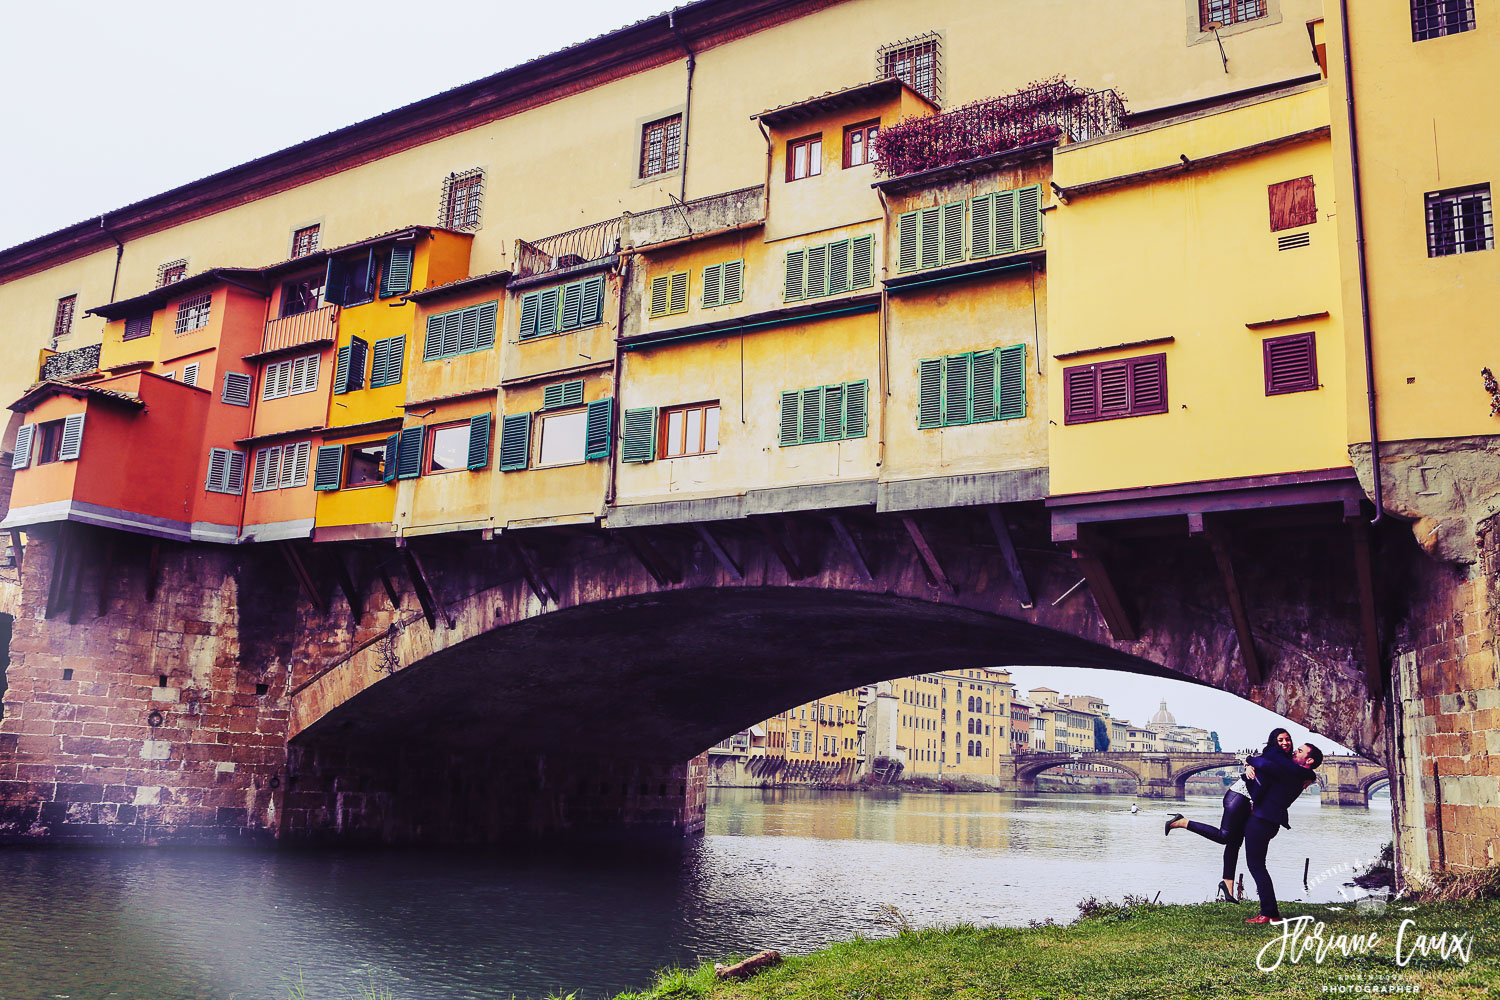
<point x="1291" y="364"/>
<point x="1114" y="388"/>
<point x="1080" y="394"/>
<point x="1148" y="385"/>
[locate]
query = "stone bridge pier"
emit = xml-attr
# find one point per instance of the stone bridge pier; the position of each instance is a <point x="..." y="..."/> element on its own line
<point x="1347" y="781"/>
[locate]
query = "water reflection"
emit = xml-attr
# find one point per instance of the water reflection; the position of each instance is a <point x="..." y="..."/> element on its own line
<point x="789" y="869"/>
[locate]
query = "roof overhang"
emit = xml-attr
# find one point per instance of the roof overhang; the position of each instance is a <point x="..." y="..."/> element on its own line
<point x="861" y="96"/>
<point x="45" y="390"/>
<point x="161" y="295"/>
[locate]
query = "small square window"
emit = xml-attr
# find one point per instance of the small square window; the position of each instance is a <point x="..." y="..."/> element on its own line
<point x="463" y="199"/>
<point x="690" y="430"/>
<point x="916" y="62"/>
<point x="1291" y="364"/>
<point x="305" y="241"/>
<point x="1223" y="13"/>
<point x="137" y="327"/>
<point x="62" y="323"/>
<point x="364" y="465"/>
<point x="804" y="157"/>
<point x="171" y="271"/>
<point x="192" y="314"/>
<point x="1436" y="18"/>
<point x="49" y="442"/>
<point x="859" y="144"/>
<point x="1460" y="221"/>
<point x="447" y="448"/>
<point x="661" y="146"/>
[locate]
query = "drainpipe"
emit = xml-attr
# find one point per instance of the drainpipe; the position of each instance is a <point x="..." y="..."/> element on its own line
<point x="687" y="108"/>
<point x="882" y="331"/>
<point x="765" y="195"/>
<point x="119" y="253"/>
<point x="1359" y="253"/>
<point x="614" y="453"/>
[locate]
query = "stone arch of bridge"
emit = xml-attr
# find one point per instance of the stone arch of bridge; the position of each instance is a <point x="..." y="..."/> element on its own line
<point x="1026" y="773"/>
<point x="1181" y="775"/>
<point x="1369" y="783"/>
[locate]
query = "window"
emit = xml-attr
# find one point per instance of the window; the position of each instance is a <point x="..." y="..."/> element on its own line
<point x="972" y="388"/>
<point x="1436" y="18"/>
<point x="237" y="386"/>
<point x="1223" y="13"/>
<point x="1000" y="222"/>
<point x="349" y="366"/>
<point x="137" y="327"/>
<point x="280" y="467"/>
<point x="723" y="284"/>
<point x="1108" y="390"/>
<point x="389" y="355"/>
<point x="447" y="448"/>
<point x="171" y="271"/>
<point x="804" y="157"/>
<point x="62" y="322"/>
<point x="291" y="377"/>
<point x="305" y="241"/>
<point x="461" y="331"/>
<point x="916" y="62"/>
<point x="859" y="143"/>
<point x="364" y="465"/>
<point x="690" y="430"/>
<point x="190" y="374"/>
<point x="1291" y="364"/>
<point x="49" y="442"/>
<point x="823" y="413"/>
<point x="351" y="281"/>
<point x="1460" y="221"/>
<point x="562" y="308"/>
<point x="192" y="314"/>
<point x="226" y="471"/>
<point x="669" y="294"/>
<point x="462" y="199"/>
<point x="562" y="439"/>
<point x="302" y="295"/>
<point x="1293" y="204"/>
<point x="661" y="146"/>
<point x="830" y="268"/>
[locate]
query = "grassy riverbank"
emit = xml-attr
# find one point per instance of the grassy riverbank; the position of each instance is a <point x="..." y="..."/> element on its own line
<point x="1130" y="953"/>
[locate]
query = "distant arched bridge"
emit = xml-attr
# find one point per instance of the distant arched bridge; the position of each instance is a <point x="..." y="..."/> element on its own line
<point x="1342" y="780"/>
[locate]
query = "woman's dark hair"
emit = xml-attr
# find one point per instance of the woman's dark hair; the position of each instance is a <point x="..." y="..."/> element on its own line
<point x="1271" y="740"/>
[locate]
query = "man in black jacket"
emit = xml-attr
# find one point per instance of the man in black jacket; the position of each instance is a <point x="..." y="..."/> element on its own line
<point x="1281" y="780"/>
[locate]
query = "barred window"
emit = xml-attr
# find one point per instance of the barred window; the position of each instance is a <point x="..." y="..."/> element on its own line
<point x="463" y="197"/>
<point x="172" y="270"/>
<point x="1460" y="221"/>
<point x="1223" y="13"/>
<point x="192" y="314"/>
<point x="661" y="146"/>
<point x="305" y="241"/>
<point x="62" y="323"/>
<point x="916" y="62"/>
<point x="1436" y="18"/>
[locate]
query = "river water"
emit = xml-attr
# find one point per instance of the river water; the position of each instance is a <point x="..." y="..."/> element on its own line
<point x="786" y="869"/>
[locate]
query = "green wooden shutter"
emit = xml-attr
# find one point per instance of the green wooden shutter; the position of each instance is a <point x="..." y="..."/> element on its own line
<point x="468" y="332"/>
<point x="21" y="457"/>
<point x="982" y="226"/>
<point x="546" y="316"/>
<point x="378" y="363"/>
<point x="909" y="255"/>
<point x="734" y="280"/>
<point x="713" y="285"/>
<point x="661" y="294"/>
<point x="679" y="292"/>
<point x="932" y="237"/>
<point x="856" y="407"/>
<point x="796" y="265"/>
<point x="599" y="425"/>
<point x="453" y="332"/>
<point x="409" y="453"/>
<point x="572" y="305"/>
<point x="817" y="272"/>
<point x="593" y="301"/>
<point x="329" y="473"/>
<point x="638" y="435"/>
<point x="515" y="442"/>
<point x="528" y="315"/>
<point x="955" y="390"/>
<point x="341" y="372"/>
<point x="392" y="450"/>
<point x="385" y="366"/>
<point x="982" y="386"/>
<point x="432" y="348"/>
<point x="791" y="419"/>
<point x="1012" y="382"/>
<point x="358" y="351"/>
<point x="812" y="415"/>
<point x="930" y="398"/>
<point x="562" y="394"/>
<point x="479" y="441"/>
<point x="335" y="280"/>
<point x="833" y="412"/>
<point x="489" y="312"/>
<point x="1029" y="217"/>
<point x="72" y="437"/>
<point x="1005" y="222"/>
<point x="862" y="261"/>
<point x="398" y="274"/>
<point x="838" y="267"/>
<point x="953" y="233"/>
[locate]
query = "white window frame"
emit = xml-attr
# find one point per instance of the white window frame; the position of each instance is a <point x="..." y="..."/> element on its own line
<point x="194" y="313"/>
<point x="561" y="421"/>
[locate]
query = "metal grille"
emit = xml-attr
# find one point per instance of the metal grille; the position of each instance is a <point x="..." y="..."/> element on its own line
<point x="62" y="324"/>
<point x="192" y="314"/>
<point x="463" y="200"/>
<point x="1460" y="221"/>
<point x="569" y="249"/>
<point x="916" y="62"/>
<point x="1223" y="13"/>
<point x="1436" y="18"/>
<point x="172" y="270"/>
<point x="661" y="146"/>
<point x="305" y="241"/>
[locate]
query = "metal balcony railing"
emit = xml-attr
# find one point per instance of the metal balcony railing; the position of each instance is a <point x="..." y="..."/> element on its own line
<point x="569" y="249"/>
<point x="301" y="328"/>
<point x="1052" y="110"/>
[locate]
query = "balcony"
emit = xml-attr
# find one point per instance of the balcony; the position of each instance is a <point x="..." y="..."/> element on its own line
<point x="567" y="250"/>
<point x="1053" y="111"/>
<point x="317" y="326"/>
<point x="66" y="364"/>
<point x="714" y="214"/>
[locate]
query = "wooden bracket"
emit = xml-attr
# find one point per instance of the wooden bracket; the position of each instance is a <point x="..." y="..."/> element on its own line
<point x="1112" y="607"/>
<point x="650" y="558"/>
<point x="720" y="553"/>
<point x="346" y="582"/>
<point x="17" y="548"/>
<point x="532" y="570"/>
<point x="930" y="564"/>
<point x="299" y="570"/>
<point x="389" y="585"/>
<point x="779" y="547"/>
<point x="1218" y="541"/>
<point x="1369" y="628"/>
<point x="1012" y="561"/>
<point x="841" y="530"/>
<point x="423" y="589"/>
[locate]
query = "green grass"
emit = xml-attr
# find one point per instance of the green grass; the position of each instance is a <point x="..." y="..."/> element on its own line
<point x="1130" y="952"/>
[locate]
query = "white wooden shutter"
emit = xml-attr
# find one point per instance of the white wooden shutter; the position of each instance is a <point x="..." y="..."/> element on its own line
<point x="22" y="456"/>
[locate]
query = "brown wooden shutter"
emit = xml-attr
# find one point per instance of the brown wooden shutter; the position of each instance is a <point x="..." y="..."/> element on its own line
<point x="1293" y="204"/>
<point x="1148" y="385"/>
<point x="1291" y="364"/>
<point x="1080" y="394"/>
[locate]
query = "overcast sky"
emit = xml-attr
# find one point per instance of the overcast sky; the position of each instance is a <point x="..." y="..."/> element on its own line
<point x="112" y="102"/>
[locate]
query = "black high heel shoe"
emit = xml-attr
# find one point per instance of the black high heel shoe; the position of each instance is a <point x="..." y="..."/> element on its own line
<point x="1224" y="894"/>
<point x="1174" y="818"/>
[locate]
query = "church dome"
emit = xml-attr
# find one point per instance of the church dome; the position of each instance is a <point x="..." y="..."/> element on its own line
<point x="1162" y="716"/>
